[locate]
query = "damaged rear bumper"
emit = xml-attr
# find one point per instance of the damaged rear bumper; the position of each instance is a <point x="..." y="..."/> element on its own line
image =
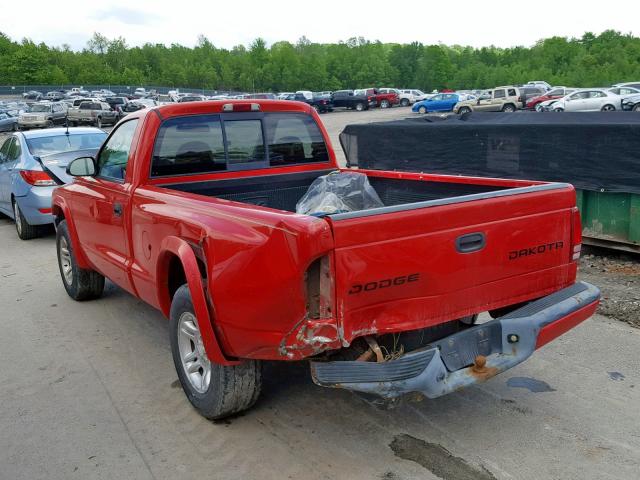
<point x="448" y="364"/>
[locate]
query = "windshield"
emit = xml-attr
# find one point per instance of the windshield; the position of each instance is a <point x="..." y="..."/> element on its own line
<point x="40" y="108"/>
<point x="65" y="143"/>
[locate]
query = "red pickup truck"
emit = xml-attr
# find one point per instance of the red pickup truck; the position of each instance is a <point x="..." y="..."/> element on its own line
<point x="192" y="208"/>
<point x="377" y="98"/>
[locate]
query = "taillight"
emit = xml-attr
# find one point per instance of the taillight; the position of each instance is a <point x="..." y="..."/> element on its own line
<point x="576" y="234"/>
<point x="37" y="178"/>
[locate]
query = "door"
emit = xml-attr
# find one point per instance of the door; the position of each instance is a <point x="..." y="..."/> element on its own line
<point x="101" y="211"/>
<point x="499" y="96"/>
<point x="5" y="176"/>
<point x="576" y="102"/>
<point x="434" y="104"/>
<point x="484" y="102"/>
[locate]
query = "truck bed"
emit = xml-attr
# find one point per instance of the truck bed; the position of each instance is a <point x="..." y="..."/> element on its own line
<point x="282" y="192"/>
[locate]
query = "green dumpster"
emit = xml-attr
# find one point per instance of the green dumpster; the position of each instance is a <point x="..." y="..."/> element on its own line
<point x="610" y="220"/>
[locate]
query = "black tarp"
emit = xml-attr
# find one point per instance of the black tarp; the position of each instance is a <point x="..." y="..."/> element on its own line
<point x="597" y="151"/>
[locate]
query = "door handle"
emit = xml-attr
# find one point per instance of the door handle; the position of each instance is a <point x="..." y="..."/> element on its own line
<point x="471" y="242"/>
<point x="117" y="209"/>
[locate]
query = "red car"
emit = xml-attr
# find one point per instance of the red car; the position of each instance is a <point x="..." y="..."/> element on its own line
<point x="191" y="207"/>
<point x="553" y="94"/>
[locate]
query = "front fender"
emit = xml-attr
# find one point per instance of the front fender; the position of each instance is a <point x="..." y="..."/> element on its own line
<point x="180" y="248"/>
<point x="59" y="208"/>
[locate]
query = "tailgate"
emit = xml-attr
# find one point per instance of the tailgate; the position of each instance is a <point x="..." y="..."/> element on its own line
<point x="411" y="266"/>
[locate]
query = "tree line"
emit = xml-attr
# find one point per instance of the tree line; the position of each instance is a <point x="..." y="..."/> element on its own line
<point x="591" y="60"/>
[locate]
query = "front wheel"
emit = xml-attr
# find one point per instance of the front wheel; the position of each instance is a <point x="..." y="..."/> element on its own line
<point x="558" y="109"/>
<point x="422" y="109"/>
<point x="385" y="104"/>
<point x="538" y="107"/>
<point x="99" y="122"/>
<point x="404" y="102"/>
<point x="636" y="107"/>
<point x="464" y="110"/>
<point x="50" y="123"/>
<point x="80" y="284"/>
<point x="216" y="391"/>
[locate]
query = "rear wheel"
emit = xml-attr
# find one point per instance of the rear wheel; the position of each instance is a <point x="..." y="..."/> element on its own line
<point x="99" y="122"/>
<point x="636" y="107"/>
<point x="608" y="108"/>
<point x="404" y="102"/>
<point x="80" y="284"/>
<point x="558" y="109"/>
<point x="359" y="106"/>
<point x="216" y="391"/>
<point x="509" y="108"/>
<point x="25" y="230"/>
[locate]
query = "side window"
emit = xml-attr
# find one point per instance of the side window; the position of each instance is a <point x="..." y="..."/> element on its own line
<point x="512" y="92"/>
<point x="4" y="150"/>
<point x="114" y="156"/>
<point x="498" y="93"/>
<point x="13" y="152"/>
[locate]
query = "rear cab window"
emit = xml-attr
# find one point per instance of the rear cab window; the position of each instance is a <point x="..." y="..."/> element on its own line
<point x="197" y="144"/>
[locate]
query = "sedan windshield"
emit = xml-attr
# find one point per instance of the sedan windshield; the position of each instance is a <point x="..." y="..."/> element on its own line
<point x="41" y="146"/>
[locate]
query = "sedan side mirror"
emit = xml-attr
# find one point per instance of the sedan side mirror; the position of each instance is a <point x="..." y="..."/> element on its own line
<point x="82" y="167"/>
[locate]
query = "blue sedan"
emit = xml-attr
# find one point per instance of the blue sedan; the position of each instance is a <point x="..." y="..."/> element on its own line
<point x="32" y="165"/>
<point x="443" y="102"/>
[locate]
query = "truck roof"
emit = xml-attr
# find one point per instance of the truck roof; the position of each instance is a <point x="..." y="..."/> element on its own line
<point x="216" y="106"/>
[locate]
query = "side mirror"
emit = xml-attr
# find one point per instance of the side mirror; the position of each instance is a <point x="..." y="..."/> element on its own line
<point x="82" y="167"/>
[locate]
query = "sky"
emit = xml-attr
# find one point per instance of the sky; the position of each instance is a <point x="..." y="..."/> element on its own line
<point x="492" y="22"/>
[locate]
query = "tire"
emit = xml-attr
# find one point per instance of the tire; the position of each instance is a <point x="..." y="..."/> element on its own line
<point x="24" y="229"/>
<point x="50" y="123"/>
<point x="73" y="124"/>
<point x="422" y="109"/>
<point x="608" y="108"/>
<point x="359" y="106"/>
<point x="14" y="127"/>
<point x="508" y="108"/>
<point x="538" y="107"/>
<point x="385" y="104"/>
<point x="80" y="284"/>
<point x="558" y="109"/>
<point x="404" y="102"/>
<point x="636" y="107"/>
<point x="99" y="122"/>
<point x="230" y="389"/>
<point x="464" y="110"/>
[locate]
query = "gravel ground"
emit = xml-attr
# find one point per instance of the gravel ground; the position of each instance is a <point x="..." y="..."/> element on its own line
<point x="618" y="277"/>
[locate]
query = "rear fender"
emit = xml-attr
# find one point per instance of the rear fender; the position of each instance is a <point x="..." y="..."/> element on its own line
<point x="181" y="249"/>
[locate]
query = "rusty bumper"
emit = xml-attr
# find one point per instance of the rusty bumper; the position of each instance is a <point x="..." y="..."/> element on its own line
<point x="470" y="356"/>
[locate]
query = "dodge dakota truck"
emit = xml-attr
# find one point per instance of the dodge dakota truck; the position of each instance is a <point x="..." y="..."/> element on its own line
<point x="192" y="208"/>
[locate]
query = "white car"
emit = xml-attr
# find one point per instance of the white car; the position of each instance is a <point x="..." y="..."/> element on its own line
<point x="624" y="91"/>
<point x="411" y="96"/>
<point x="589" y="100"/>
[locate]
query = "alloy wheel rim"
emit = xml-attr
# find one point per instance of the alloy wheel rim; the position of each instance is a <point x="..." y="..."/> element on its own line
<point x="195" y="363"/>
<point x="65" y="261"/>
